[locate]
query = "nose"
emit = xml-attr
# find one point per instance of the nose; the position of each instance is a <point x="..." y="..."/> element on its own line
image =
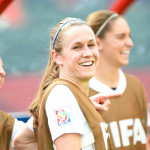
<point x="2" y="72"/>
<point x="87" y="52"/>
<point x="130" y="42"/>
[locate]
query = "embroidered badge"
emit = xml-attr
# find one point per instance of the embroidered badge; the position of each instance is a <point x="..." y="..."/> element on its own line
<point x="63" y="116"/>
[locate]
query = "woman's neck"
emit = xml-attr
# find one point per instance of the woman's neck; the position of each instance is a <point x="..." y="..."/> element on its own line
<point x="83" y="85"/>
<point x="108" y="75"/>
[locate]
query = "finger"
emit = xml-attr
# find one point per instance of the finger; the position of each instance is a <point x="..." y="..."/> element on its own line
<point x="101" y="108"/>
<point x="100" y="112"/>
<point x="110" y="96"/>
<point x="102" y="96"/>
<point x="107" y="105"/>
<point x="106" y="97"/>
<point x="105" y="101"/>
<point x="115" y="95"/>
<point x="98" y="107"/>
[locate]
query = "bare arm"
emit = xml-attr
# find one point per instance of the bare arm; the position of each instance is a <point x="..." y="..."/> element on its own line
<point x="70" y="141"/>
<point x="25" y="140"/>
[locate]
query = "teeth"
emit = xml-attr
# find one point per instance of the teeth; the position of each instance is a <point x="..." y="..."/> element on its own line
<point x="124" y="52"/>
<point x="86" y="64"/>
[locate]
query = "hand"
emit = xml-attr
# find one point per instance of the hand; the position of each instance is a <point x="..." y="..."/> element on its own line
<point x="101" y="102"/>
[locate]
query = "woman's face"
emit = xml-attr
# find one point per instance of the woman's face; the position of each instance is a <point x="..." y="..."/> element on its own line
<point x="117" y="43"/>
<point x="2" y="73"/>
<point x="80" y="54"/>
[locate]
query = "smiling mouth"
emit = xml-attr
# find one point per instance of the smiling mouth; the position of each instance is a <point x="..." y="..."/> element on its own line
<point x="87" y="63"/>
<point x="125" y="52"/>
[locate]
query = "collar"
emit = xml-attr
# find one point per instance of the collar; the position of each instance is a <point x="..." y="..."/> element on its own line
<point x="102" y="88"/>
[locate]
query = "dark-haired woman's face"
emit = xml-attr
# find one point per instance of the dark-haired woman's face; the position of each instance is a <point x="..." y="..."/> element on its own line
<point x="117" y="43"/>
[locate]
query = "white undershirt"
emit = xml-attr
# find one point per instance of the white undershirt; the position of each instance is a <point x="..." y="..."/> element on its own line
<point x="102" y="88"/>
<point x="65" y="116"/>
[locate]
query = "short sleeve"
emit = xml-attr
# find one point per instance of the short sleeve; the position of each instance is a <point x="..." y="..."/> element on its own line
<point x="63" y="112"/>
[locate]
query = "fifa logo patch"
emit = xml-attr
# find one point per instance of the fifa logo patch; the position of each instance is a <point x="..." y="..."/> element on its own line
<point x="63" y="116"/>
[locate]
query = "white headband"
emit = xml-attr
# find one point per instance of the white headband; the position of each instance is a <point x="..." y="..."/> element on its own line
<point x="105" y="23"/>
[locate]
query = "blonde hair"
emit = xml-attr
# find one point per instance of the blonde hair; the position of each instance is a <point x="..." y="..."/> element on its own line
<point x="97" y="19"/>
<point x="52" y="70"/>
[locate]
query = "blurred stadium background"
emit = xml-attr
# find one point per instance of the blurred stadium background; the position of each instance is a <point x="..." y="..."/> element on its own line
<point x="24" y="44"/>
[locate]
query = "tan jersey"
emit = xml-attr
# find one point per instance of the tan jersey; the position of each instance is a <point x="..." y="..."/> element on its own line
<point x="127" y="117"/>
<point x="6" y="127"/>
<point x="94" y="120"/>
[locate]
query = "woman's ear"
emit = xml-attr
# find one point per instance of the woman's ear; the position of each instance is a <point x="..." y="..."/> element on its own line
<point x="56" y="57"/>
<point x="99" y="44"/>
